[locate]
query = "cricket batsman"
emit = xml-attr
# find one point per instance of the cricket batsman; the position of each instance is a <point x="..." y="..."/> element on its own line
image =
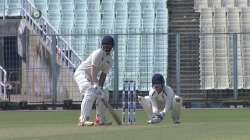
<point x="90" y="77"/>
<point x="160" y="100"/>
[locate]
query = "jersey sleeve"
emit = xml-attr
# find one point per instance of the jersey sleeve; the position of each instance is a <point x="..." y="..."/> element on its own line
<point x="108" y="66"/>
<point x="96" y="57"/>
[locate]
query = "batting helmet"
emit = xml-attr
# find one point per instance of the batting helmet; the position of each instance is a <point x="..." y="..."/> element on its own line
<point x="158" y="79"/>
<point x="108" y="40"/>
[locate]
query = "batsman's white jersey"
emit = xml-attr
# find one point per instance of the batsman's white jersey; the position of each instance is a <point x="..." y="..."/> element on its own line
<point x="100" y="60"/>
<point x="82" y="75"/>
<point x="165" y="101"/>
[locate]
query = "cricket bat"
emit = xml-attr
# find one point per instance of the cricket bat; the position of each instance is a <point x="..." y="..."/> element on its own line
<point x="110" y="109"/>
<point x="112" y="112"/>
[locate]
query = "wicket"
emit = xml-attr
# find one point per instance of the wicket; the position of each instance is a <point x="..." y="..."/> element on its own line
<point x="129" y="101"/>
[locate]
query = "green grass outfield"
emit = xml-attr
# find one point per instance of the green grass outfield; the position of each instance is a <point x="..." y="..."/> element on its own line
<point x="197" y="124"/>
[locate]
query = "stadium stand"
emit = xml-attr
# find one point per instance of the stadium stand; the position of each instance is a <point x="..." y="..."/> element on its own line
<point x="42" y="6"/>
<point x="241" y="3"/>
<point x="54" y="13"/>
<point x="200" y="4"/>
<point x="234" y="27"/>
<point x="14" y="7"/>
<point x="228" y="3"/>
<point x="207" y="49"/>
<point x="214" y="4"/>
<point x="161" y="48"/>
<point x="131" y="58"/>
<point x="245" y="38"/>
<point x="146" y="50"/>
<point x="221" y="50"/>
<point x="79" y="27"/>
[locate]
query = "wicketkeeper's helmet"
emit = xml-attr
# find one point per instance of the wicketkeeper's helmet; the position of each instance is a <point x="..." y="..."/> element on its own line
<point x="158" y="79"/>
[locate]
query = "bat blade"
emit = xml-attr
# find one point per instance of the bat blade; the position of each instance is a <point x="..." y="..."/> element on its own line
<point x="112" y="112"/>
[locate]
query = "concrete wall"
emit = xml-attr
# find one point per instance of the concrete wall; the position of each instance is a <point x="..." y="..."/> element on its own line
<point x="36" y="71"/>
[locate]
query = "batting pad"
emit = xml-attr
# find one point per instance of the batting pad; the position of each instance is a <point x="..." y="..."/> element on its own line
<point x="100" y="107"/>
<point x="176" y="109"/>
<point x="87" y="103"/>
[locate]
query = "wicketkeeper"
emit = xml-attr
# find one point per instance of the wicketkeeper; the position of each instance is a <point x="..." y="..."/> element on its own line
<point x="160" y="100"/>
<point x="90" y="76"/>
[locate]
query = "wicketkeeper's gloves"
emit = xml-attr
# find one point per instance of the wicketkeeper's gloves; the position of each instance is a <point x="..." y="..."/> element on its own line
<point x="162" y="114"/>
<point x="157" y="116"/>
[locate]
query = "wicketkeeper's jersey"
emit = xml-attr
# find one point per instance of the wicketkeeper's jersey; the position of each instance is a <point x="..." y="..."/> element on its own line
<point x="161" y="101"/>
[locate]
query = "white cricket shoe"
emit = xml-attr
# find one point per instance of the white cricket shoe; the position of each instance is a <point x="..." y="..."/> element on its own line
<point x="154" y="120"/>
<point x="86" y="123"/>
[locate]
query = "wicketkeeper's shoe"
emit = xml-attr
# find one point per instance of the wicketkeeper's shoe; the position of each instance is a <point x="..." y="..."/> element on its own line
<point x="154" y="120"/>
<point x="177" y="122"/>
<point x="140" y="98"/>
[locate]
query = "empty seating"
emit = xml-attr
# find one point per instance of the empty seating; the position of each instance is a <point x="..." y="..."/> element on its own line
<point x="107" y="11"/>
<point x="93" y="26"/>
<point x="200" y="4"/>
<point x="42" y="6"/>
<point x="14" y="7"/>
<point x="241" y="3"/>
<point x="221" y="49"/>
<point x="214" y="4"/>
<point x="228" y="3"/>
<point x="79" y="27"/>
<point x="160" y="50"/>
<point x="233" y="20"/>
<point x="245" y="41"/>
<point x="67" y="19"/>
<point x="234" y="27"/>
<point x="120" y="27"/>
<point x="121" y="12"/>
<point x="133" y="45"/>
<point x="147" y="44"/>
<point x="93" y="14"/>
<point x="245" y="20"/>
<point x="206" y="49"/>
<point x="67" y="14"/>
<point x="122" y="43"/>
<point x="54" y="14"/>
<point x="226" y="17"/>
<point x="3" y="8"/>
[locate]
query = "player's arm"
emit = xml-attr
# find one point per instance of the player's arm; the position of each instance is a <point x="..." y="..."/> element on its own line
<point x="169" y="99"/>
<point x="103" y="75"/>
<point x="96" y="59"/>
<point x="153" y="101"/>
<point x="93" y="75"/>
